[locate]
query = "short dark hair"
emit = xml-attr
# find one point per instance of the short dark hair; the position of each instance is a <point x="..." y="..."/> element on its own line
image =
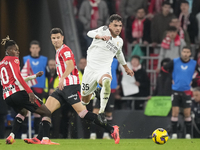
<point x="187" y="47"/>
<point x="34" y="42"/>
<point x="165" y="60"/>
<point x="115" y="17"/>
<point x="184" y="2"/>
<point x="136" y="57"/>
<point x="56" y="30"/>
<point x="9" y="43"/>
<point x="166" y="3"/>
<point x="172" y="29"/>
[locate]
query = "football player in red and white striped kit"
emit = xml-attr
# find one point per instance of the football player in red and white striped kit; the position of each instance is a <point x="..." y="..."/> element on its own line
<point x="16" y="92"/>
<point x="69" y="88"/>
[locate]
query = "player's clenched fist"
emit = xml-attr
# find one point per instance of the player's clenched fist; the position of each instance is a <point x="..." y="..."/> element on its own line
<point x="39" y="74"/>
<point x="129" y="72"/>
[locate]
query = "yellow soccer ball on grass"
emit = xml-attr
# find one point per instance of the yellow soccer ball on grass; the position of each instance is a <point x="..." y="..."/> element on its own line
<point x="160" y="136"/>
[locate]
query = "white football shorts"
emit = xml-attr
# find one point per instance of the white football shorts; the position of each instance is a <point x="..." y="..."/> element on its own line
<point x="91" y="79"/>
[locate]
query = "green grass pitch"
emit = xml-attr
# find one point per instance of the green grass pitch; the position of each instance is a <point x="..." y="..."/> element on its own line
<point x="100" y="144"/>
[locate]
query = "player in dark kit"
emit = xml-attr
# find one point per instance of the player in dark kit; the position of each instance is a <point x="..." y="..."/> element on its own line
<point x="68" y="89"/>
<point x="16" y="92"/>
<point x="182" y="69"/>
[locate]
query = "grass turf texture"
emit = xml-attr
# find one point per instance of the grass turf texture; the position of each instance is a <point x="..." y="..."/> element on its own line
<point x="100" y="144"/>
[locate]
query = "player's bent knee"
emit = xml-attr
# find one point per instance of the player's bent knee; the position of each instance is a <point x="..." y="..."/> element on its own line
<point x="47" y="113"/>
<point x="23" y="112"/>
<point x="83" y="113"/>
<point x="106" y="81"/>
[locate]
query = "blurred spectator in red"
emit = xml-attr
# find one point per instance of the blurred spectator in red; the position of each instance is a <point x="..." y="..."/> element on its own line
<point x="171" y="45"/>
<point x="155" y="7"/>
<point x="138" y="28"/>
<point x="160" y="22"/>
<point x="182" y="33"/>
<point x="93" y="14"/>
<point x="188" y="21"/>
<point x="130" y="7"/>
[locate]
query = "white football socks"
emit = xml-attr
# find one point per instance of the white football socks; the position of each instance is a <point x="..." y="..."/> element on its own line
<point x="105" y="93"/>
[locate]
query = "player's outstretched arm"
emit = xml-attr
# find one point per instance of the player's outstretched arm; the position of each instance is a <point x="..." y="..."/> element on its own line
<point x="121" y="59"/>
<point x="38" y="74"/>
<point x="97" y="34"/>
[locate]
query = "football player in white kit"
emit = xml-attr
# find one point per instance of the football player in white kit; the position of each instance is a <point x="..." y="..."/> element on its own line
<point x="105" y="45"/>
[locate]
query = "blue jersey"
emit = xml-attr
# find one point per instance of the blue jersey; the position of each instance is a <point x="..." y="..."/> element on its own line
<point x="182" y="74"/>
<point x="38" y="64"/>
<point x="114" y="67"/>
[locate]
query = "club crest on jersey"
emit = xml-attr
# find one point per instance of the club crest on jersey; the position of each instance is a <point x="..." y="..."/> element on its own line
<point x="16" y="61"/>
<point x="67" y="54"/>
<point x="105" y="28"/>
<point x="184" y="68"/>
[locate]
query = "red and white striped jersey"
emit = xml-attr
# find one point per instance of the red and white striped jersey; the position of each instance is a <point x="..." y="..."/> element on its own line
<point x="11" y="78"/>
<point x="62" y="55"/>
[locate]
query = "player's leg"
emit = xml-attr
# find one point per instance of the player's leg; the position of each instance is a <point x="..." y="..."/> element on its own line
<point x="174" y="121"/>
<point x="176" y="102"/>
<point x="85" y="100"/>
<point x="96" y="106"/>
<point x="188" y="122"/>
<point x="72" y="96"/>
<point x="108" y="113"/>
<point x="19" y="118"/>
<point x="88" y="86"/>
<point x="105" y="82"/>
<point x="187" y="101"/>
<point x="109" y="120"/>
<point x="15" y="101"/>
<point x="44" y="128"/>
<point x="85" y="114"/>
<point x="51" y="104"/>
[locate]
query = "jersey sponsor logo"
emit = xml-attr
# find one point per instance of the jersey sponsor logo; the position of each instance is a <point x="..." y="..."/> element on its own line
<point x="35" y="63"/>
<point x="16" y="61"/>
<point x="8" y="88"/>
<point x="67" y="54"/>
<point x="110" y="46"/>
<point x="184" y="67"/>
<point x="188" y="101"/>
<point x="73" y="96"/>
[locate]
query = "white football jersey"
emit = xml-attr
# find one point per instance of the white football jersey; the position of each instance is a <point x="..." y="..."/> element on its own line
<point x="100" y="53"/>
